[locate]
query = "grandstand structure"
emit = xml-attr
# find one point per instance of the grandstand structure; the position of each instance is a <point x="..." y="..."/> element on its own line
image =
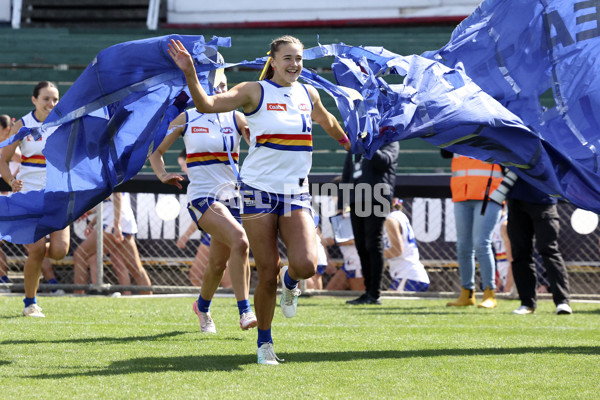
<point x="29" y="55"/>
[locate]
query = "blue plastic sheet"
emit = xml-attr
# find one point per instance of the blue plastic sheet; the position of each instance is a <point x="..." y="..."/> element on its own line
<point x="477" y="96"/>
<point x="520" y="49"/>
<point x="115" y="114"/>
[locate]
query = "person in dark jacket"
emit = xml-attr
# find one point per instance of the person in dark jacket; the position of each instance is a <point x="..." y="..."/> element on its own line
<point x="532" y="213"/>
<point x="367" y="186"/>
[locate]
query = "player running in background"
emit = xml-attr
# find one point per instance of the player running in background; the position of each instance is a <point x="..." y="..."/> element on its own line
<point x="212" y="144"/>
<point x="32" y="176"/>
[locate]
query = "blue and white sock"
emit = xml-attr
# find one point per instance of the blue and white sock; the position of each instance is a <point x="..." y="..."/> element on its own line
<point x="203" y="305"/>
<point x="264" y="336"/>
<point x="244" y="306"/>
<point x="289" y="282"/>
<point x="29" y="301"/>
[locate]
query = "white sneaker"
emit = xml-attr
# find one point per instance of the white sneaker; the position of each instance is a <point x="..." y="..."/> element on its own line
<point x="207" y="324"/>
<point x="563" y="309"/>
<point x="266" y="355"/>
<point x="524" y="310"/>
<point x="289" y="297"/>
<point x="248" y="320"/>
<point x="33" y="311"/>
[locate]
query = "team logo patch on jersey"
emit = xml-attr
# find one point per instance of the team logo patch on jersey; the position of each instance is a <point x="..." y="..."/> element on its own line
<point x="199" y="129"/>
<point x="227" y="130"/>
<point x="304" y="107"/>
<point x="276" y="107"/>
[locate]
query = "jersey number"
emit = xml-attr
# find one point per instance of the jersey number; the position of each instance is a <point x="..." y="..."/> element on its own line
<point x="410" y="235"/>
<point x="225" y="143"/>
<point x="306" y="123"/>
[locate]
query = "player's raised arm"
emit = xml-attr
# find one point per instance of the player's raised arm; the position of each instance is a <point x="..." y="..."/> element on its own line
<point x="242" y="95"/>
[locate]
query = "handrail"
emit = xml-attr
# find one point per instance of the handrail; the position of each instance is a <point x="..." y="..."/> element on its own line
<point x="153" y="11"/>
<point x="17" y="5"/>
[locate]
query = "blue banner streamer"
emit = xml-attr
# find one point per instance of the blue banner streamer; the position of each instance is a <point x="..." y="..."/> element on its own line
<point x="478" y="96"/>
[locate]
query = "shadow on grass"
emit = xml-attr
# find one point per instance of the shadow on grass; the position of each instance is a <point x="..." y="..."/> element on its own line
<point x="577" y="311"/>
<point x="428" y="311"/>
<point x="417" y="310"/>
<point x="125" y="339"/>
<point x="378" y="309"/>
<point x="11" y="316"/>
<point x="236" y="362"/>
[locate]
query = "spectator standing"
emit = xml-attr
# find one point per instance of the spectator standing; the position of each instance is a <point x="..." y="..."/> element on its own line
<point x="533" y="214"/>
<point x="120" y="228"/>
<point x="472" y="183"/>
<point x="372" y="185"/>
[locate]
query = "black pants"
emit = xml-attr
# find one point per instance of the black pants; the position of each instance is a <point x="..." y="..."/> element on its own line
<point x="368" y="238"/>
<point x="526" y="221"/>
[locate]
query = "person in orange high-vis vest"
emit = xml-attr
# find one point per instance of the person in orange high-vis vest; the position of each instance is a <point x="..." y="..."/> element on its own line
<point x="472" y="183"/>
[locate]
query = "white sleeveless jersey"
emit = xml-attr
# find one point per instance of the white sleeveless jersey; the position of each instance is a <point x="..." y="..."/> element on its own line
<point x="206" y="138"/>
<point x="351" y="258"/>
<point x="407" y="265"/>
<point x="502" y="263"/>
<point x="128" y="224"/>
<point x="280" y="154"/>
<point x="13" y="166"/>
<point x="33" y="163"/>
<point x="321" y="252"/>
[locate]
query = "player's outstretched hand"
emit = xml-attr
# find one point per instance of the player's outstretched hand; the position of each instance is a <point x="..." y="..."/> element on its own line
<point x="172" y="179"/>
<point x="180" y="55"/>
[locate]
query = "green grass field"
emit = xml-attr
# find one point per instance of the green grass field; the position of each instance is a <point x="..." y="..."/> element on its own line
<point x="141" y="348"/>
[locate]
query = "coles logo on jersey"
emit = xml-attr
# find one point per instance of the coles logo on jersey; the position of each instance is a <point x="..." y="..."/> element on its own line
<point x="227" y="130"/>
<point x="304" y="107"/>
<point x="199" y="129"/>
<point x="276" y="107"/>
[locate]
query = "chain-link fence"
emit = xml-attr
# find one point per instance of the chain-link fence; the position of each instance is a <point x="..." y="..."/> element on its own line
<point x="175" y="262"/>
